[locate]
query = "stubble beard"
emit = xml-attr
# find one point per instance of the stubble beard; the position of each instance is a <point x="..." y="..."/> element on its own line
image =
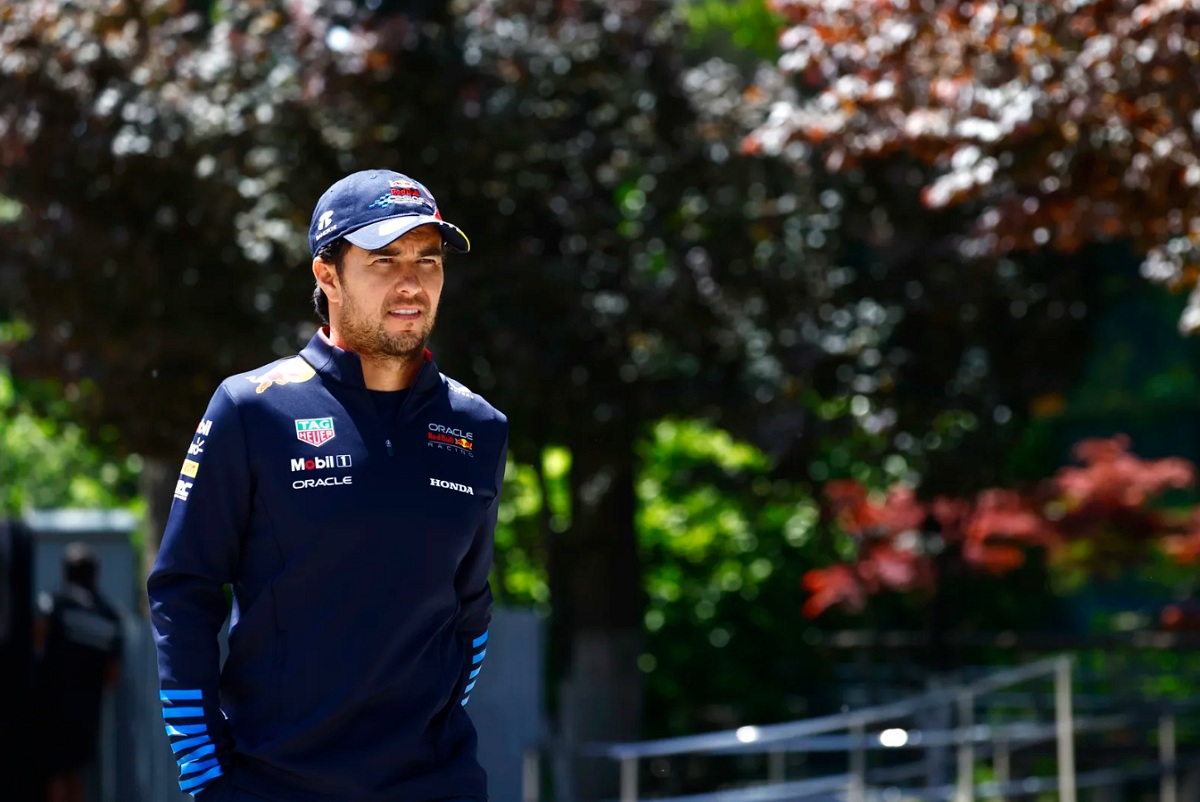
<point x="370" y="340"/>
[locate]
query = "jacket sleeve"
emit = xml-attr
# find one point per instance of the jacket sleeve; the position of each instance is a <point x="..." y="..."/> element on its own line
<point x="197" y="558"/>
<point x="474" y="591"/>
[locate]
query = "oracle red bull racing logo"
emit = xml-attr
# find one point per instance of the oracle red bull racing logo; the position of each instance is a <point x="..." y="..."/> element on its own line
<point x="450" y="438"/>
<point x="291" y="371"/>
<point x="315" y="431"/>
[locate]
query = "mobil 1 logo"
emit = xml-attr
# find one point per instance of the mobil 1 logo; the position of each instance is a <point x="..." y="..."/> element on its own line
<point x="321" y="463"/>
<point x="332" y="462"/>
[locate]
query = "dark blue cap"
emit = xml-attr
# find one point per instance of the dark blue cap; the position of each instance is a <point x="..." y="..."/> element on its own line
<point x="371" y="208"/>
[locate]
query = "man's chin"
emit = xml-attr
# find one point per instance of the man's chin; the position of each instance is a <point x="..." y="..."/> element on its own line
<point x="403" y="347"/>
<point x="385" y="346"/>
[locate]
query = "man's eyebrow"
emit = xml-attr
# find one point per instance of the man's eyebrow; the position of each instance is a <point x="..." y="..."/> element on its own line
<point x="392" y="249"/>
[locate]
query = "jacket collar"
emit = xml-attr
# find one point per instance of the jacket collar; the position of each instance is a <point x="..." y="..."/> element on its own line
<point x="345" y="367"/>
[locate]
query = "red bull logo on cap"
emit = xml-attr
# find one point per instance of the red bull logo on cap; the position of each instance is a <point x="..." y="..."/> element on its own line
<point x="404" y="188"/>
<point x="291" y="371"/>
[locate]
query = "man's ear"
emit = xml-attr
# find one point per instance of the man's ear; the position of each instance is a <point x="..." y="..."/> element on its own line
<point x="327" y="278"/>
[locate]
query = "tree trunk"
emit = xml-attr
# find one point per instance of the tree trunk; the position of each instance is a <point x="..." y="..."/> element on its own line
<point x="157" y="486"/>
<point x="598" y="609"/>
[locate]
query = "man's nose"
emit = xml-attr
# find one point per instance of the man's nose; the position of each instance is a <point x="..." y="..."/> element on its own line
<point x="407" y="278"/>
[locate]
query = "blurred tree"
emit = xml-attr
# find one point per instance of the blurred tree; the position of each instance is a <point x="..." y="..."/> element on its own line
<point x="923" y="345"/>
<point x="726" y="544"/>
<point x="164" y="165"/>
<point x="49" y="461"/>
<point x="1094" y="519"/>
<point x="1052" y="124"/>
<point x="136" y="251"/>
<point x="628" y="266"/>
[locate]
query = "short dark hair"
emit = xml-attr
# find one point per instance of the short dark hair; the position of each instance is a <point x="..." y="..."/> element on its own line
<point x="333" y="252"/>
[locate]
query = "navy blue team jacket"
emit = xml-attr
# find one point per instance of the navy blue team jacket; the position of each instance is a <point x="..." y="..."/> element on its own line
<point x="358" y="552"/>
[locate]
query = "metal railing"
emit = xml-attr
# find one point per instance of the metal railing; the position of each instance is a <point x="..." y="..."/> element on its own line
<point x="857" y="733"/>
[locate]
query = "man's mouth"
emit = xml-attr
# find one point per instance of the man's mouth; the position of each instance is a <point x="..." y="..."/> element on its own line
<point x="404" y="313"/>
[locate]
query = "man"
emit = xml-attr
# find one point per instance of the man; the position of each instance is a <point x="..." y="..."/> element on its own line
<point x="349" y="496"/>
<point x="78" y="638"/>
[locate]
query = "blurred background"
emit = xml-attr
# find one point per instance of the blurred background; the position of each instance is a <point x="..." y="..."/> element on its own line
<point x="846" y="348"/>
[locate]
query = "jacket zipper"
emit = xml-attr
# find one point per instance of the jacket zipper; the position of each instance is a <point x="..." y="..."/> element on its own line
<point x="403" y="407"/>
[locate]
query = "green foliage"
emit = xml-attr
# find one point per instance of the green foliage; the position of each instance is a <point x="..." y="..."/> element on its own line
<point x="746" y="26"/>
<point x="519" y="572"/>
<point x="10" y="210"/>
<point x="50" y="461"/>
<point x="556" y="468"/>
<point x="725" y="545"/>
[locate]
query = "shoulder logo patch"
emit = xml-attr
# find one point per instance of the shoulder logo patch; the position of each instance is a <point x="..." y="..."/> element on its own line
<point x="290" y="371"/>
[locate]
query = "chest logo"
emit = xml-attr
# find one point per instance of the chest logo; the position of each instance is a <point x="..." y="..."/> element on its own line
<point x="450" y="439"/>
<point x="315" y="431"/>
<point x="451" y="486"/>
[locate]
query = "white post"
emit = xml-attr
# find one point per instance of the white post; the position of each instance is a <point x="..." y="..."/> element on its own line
<point x="776" y="766"/>
<point x="1166" y="755"/>
<point x="1002" y="764"/>
<point x="531" y="776"/>
<point x="858" y="763"/>
<point x="1064" y="725"/>
<point x="966" y="748"/>
<point x="629" y="779"/>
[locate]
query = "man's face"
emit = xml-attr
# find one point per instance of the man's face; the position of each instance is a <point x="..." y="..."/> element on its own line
<point x="386" y="300"/>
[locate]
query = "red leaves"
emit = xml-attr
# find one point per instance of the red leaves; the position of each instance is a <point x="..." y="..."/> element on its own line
<point x="1000" y="523"/>
<point x="887" y="558"/>
<point x="1112" y="478"/>
<point x="1094" y="101"/>
<point x="881" y="566"/>
<point x="835" y="585"/>
<point x="855" y="512"/>
<point x="1184" y="547"/>
<point x="1105" y="502"/>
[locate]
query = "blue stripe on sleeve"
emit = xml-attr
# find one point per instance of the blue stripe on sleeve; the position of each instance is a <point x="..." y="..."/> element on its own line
<point x="197" y="765"/>
<point x="465" y="700"/>
<point x="183" y="712"/>
<point x="170" y="696"/>
<point x="186" y="729"/>
<point x="186" y="785"/>
<point x="207" y="749"/>
<point x="475" y="673"/>
<point x="188" y="743"/>
<point x="479" y="657"/>
<point x="468" y="688"/>
<point x="482" y="639"/>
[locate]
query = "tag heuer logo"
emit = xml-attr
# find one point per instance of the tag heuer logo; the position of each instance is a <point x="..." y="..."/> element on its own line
<point x="315" y="431"/>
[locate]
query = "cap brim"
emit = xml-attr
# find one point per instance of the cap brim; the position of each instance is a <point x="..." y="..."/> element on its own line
<point x="380" y="233"/>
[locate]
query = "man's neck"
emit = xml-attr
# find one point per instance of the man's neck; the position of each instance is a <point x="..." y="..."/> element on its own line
<point x="390" y="373"/>
<point x="387" y="373"/>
